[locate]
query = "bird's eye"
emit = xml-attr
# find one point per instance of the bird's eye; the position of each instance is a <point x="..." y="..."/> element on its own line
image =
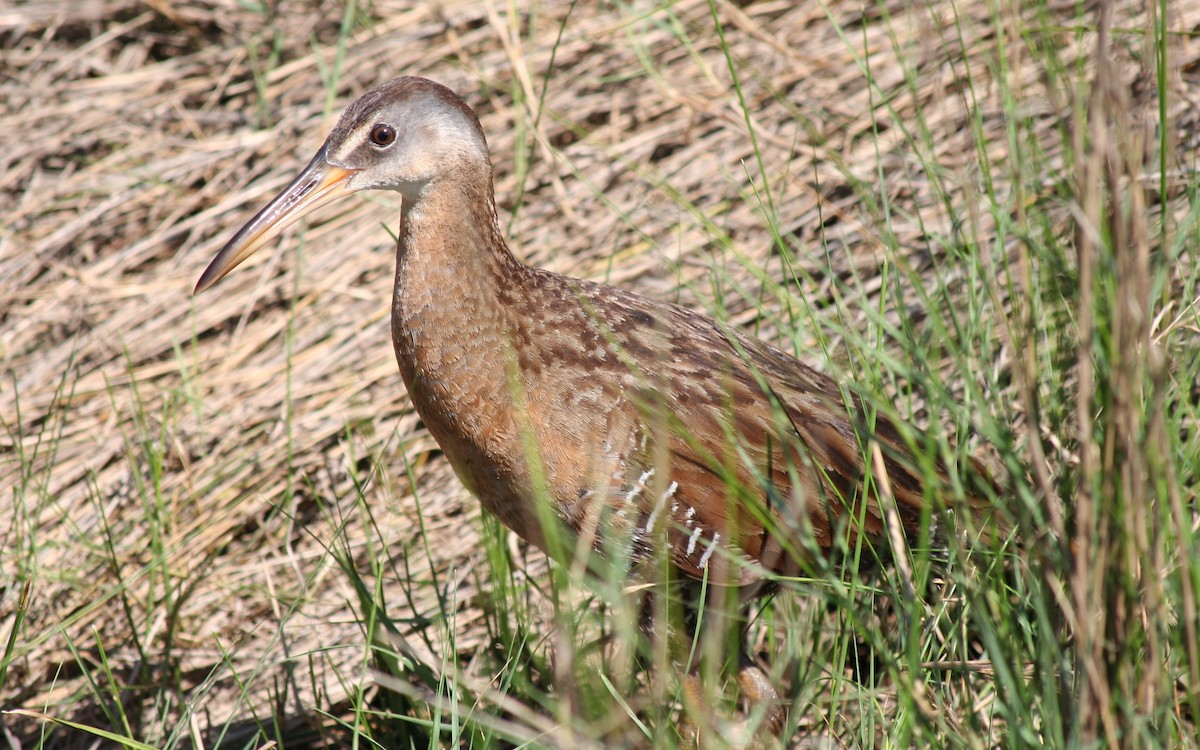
<point x="383" y="135"/>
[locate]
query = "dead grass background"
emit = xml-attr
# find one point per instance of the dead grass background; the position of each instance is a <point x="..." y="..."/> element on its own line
<point x="136" y="137"/>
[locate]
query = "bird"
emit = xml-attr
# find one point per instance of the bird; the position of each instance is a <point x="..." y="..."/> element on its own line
<point x="650" y="431"/>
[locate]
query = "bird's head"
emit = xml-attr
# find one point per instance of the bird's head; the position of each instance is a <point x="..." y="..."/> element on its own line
<point x="403" y="135"/>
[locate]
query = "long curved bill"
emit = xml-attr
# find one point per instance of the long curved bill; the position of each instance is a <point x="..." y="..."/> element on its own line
<point x="320" y="183"/>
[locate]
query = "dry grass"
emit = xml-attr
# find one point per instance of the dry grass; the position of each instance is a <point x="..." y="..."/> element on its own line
<point x="175" y="470"/>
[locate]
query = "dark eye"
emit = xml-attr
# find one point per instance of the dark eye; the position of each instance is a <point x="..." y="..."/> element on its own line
<point x="383" y="135"/>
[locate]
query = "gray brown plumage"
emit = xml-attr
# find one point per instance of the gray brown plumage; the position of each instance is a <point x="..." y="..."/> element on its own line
<point x="648" y="424"/>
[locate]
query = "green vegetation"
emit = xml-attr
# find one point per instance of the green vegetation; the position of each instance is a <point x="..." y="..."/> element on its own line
<point x="223" y="526"/>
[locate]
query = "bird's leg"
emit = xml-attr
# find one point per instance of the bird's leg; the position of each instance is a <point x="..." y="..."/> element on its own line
<point x="666" y="621"/>
<point x="764" y="716"/>
<point x="758" y="691"/>
<point x="696" y="720"/>
<point x="695" y="704"/>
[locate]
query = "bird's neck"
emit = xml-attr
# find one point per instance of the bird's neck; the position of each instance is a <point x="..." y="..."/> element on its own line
<point x="450" y="323"/>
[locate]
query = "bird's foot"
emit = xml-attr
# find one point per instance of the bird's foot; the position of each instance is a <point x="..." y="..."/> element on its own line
<point x="759" y="726"/>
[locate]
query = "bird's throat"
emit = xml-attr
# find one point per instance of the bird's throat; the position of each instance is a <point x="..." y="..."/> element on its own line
<point x="449" y="325"/>
<point x="452" y="330"/>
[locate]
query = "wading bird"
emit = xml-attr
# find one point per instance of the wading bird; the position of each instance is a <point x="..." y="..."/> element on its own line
<point x="651" y="431"/>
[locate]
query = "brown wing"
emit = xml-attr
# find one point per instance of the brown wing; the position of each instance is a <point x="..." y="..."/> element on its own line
<point x="765" y="465"/>
<point x="733" y="453"/>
